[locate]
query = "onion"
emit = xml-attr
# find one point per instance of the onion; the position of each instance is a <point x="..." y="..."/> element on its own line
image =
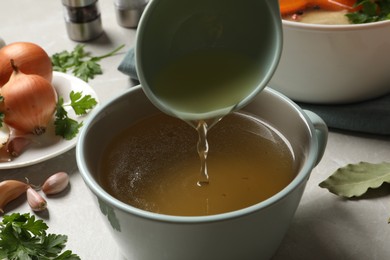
<point x="29" y="102"/>
<point x="29" y="57"/>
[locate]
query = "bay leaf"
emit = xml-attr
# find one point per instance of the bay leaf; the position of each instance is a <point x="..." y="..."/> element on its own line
<point x="354" y="180"/>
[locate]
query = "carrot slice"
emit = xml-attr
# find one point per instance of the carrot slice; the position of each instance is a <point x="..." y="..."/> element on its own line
<point x="293" y="6"/>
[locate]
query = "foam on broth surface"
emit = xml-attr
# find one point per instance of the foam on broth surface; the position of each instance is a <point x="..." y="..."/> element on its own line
<point x="154" y="165"/>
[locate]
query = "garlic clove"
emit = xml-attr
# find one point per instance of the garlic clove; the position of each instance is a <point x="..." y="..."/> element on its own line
<point x="55" y="183"/>
<point x="17" y="145"/>
<point x="10" y="190"/>
<point x="35" y="200"/>
<point x="4" y="135"/>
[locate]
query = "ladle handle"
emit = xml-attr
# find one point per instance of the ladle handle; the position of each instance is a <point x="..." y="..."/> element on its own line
<point x="321" y="131"/>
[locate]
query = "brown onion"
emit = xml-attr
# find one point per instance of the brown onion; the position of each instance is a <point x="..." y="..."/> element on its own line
<point x="29" y="102"/>
<point x="29" y="58"/>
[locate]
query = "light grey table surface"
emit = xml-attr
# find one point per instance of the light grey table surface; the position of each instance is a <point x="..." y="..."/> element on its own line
<point x="325" y="226"/>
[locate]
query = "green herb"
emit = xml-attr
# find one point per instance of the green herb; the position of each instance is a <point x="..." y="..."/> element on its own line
<point x="23" y="237"/>
<point x="80" y="62"/>
<point x="65" y="126"/>
<point x="354" y="180"/>
<point x="81" y="104"/>
<point x="371" y="11"/>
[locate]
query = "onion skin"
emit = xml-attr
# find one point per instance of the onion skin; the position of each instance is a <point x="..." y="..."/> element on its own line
<point x="29" y="58"/>
<point x="29" y="102"/>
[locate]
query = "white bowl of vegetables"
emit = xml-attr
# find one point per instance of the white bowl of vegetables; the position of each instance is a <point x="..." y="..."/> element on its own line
<point x="334" y="51"/>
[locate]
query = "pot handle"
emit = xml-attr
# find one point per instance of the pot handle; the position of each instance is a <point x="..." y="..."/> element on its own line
<point x="321" y="131"/>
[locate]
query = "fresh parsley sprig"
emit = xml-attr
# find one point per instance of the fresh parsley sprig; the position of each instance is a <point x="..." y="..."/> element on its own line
<point x="81" y="104"/>
<point x="23" y="237"/>
<point x="80" y="62"/>
<point x="65" y="126"/>
<point x="370" y="11"/>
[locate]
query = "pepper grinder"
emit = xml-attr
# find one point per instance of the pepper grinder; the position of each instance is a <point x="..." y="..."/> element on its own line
<point x="82" y="18"/>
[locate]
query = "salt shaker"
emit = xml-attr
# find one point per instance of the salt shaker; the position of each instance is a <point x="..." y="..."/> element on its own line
<point x="82" y="18"/>
<point x="128" y="12"/>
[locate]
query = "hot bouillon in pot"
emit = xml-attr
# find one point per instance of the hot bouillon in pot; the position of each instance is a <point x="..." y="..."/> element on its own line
<point x="153" y="165"/>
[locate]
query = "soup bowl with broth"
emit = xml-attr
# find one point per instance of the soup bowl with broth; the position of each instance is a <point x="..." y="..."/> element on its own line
<point x="325" y="60"/>
<point x="142" y="167"/>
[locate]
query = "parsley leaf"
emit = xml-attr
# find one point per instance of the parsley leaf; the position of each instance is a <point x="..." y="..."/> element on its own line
<point x="80" y="62"/>
<point x="23" y="237"/>
<point x="65" y="126"/>
<point x="81" y="104"/>
<point x="65" y="60"/>
<point x="370" y="11"/>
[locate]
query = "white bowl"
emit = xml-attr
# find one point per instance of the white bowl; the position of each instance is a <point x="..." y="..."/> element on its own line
<point x="334" y="63"/>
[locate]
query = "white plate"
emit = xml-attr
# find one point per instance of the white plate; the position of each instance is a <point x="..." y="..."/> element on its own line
<point x="48" y="145"/>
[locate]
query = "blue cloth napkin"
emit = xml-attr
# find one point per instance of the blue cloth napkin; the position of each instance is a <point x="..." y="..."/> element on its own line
<point x="372" y="117"/>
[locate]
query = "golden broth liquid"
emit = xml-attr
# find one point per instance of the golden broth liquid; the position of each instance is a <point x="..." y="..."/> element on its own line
<point x="154" y="165"/>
